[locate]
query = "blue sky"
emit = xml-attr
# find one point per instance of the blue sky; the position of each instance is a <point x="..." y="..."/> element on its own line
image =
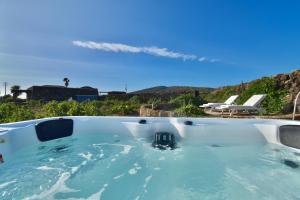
<point x="107" y="43"/>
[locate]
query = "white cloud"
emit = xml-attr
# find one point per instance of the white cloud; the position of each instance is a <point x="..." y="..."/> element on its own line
<point x="155" y="51"/>
<point x="201" y="59"/>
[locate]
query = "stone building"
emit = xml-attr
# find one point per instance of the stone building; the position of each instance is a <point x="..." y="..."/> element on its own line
<point x="60" y="93"/>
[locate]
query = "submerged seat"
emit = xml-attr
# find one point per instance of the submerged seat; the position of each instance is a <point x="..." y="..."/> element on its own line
<point x="164" y="140"/>
<point x="143" y="121"/>
<point x="54" y="129"/>
<point x="188" y="123"/>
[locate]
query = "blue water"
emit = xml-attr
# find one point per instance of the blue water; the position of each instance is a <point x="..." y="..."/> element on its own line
<point x="104" y="166"/>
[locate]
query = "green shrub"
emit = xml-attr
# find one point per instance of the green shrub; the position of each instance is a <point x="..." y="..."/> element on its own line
<point x="187" y="99"/>
<point x="123" y="109"/>
<point x="91" y="108"/>
<point x="190" y="110"/>
<point x="10" y="112"/>
<point x="50" y="109"/>
<point x="7" y="98"/>
<point x="22" y="113"/>
<point x="35" y="104"/>
<point x="64" y="108"/>
<point x="154" y="101"/>
<point x="136" y="100"/>
<point x="75" y="109"/>
<point x="6" y="111"/>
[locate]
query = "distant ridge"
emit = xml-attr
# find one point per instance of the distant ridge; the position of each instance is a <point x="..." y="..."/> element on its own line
<point x="173" y="90"/>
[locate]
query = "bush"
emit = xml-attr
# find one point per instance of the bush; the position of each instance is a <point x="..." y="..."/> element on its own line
<point x="50" y="110"/>
<point x="64" y="108"/>
<point x="154" y="101"/>
<point x="34" y="104"/>
<point x="136" y="100"/>
<point x="123" y="109"/>
<point x="10" y="112"/>
<point x="190" y="110"/>
<point x="75" y="109"/>
<point x="91" y="108"/>
<point x="7" y="98"/>
<point x="187" y="99"/>
<point x="21" y="113"/>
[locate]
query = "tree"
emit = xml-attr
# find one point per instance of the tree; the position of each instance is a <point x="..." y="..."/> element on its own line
<point x="66" y="80"/>
<point x="241" y="88"/>
<point x="15" y="90"/>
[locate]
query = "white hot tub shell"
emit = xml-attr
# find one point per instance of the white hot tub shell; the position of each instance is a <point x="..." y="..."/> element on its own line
<point x="15" y="136"/>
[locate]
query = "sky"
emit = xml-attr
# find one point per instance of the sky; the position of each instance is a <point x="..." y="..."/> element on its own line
<point x="108" y="44"/>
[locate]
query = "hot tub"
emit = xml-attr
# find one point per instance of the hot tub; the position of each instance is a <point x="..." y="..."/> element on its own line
<point x="150" y="158"/>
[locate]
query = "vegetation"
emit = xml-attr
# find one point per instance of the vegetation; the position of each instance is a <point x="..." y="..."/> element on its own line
<point x="66" y="81"/>
<point x="273" y="103"/>
<point x="154" y="101"/>
<point x="178" y="90"/>
<point x="15" y="91"/>
<point x="11" y="112"/>
<point x="275" y="100"/>
<point x="188" y="105"/>
<point x="184" y="104"/>
<point x="135" y="100"/>
<point x="7" y="98"/>
<point x="187" y="99"/>
<point x="190" y="110"/>
<point x="222" y="94"/>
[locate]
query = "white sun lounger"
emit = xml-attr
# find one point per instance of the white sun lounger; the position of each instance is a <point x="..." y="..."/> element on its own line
<point x="229" y="101"/>
<point x="252" y="104"/>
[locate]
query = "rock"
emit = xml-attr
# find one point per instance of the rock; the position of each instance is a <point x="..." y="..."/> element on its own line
<point x="282" y="77"/>
<point x="145" y="111"/>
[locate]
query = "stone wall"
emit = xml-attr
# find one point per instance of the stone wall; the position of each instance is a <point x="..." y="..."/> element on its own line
<point x="290" y="82"/>
<point x="147" y="111"/>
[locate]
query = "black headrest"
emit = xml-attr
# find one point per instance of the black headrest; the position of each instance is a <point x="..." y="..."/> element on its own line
<point x="54" y="129"/>
<point x="289" y="135"/>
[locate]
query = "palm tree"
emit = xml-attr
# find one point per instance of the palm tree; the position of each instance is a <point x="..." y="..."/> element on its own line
<point x="66" y="80"/>
<point x="15" y="90"/>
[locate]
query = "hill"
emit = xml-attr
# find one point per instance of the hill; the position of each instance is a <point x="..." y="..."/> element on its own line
<point x="281" y="90"/>
<point x="173" y="90"/>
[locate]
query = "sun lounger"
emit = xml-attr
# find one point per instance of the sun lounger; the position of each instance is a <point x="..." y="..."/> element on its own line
<point x="252" y="104"/>
<point x="229" y="101"/>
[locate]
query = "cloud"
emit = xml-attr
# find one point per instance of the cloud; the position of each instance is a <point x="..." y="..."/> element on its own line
<point x="152" y="50"/>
